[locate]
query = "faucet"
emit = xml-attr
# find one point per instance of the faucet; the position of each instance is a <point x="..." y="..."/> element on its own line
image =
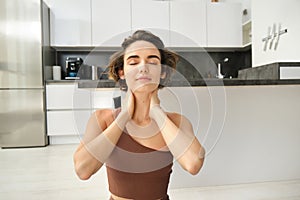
<point x="219" y="74"/>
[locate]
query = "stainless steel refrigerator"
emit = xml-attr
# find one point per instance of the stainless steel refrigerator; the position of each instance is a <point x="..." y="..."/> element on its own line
<point x="24" y="55"/>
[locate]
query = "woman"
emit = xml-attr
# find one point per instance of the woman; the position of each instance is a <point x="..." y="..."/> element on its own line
<point x="139" y="141"/>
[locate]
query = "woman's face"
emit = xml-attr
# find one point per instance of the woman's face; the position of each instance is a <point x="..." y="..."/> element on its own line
<point x="142" y="67"/>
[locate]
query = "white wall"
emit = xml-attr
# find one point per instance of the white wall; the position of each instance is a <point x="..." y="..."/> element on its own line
<point x="260" y="139"/>
<point x="264" y="14"/>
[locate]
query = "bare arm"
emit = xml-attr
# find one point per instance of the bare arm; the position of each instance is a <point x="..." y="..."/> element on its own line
<point x="97" y="145"/>
<point x="179" y="136"/>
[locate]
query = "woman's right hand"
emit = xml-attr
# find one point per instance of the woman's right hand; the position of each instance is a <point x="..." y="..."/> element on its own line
<point x="126" y="111"/>
<point x="129" y="104"/>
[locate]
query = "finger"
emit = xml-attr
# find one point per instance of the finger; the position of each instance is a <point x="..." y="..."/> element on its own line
<point x="127" y="96"/>
<point x="130" y="105"/>
<point x="154" y="98"/>
<point x="155" y="93"/>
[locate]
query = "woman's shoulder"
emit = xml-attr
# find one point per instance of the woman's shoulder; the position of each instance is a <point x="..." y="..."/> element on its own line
<point x="175" y="115"/>
<point x="106" y="116"/>
<point x="178" y="118"/>
<point x="103" y="112"/>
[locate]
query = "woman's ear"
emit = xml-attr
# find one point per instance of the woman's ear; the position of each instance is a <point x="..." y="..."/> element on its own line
<point x="163" y="72"/>
<point x="121" y="74"/>
<point x="163" y="75"/>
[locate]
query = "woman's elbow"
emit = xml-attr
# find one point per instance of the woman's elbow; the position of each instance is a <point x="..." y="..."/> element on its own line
<point x="80" y="170"/>
<point x="194" y="168"/>
<point x="82" y="174"/>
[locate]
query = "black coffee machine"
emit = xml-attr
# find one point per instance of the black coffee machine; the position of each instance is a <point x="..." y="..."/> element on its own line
<point x="73" y="65"/>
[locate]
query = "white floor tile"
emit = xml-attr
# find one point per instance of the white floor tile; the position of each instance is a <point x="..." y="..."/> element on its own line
<point x="47" y="173"/>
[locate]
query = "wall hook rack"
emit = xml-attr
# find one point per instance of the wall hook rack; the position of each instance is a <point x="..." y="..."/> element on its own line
<point x="274" y="36"/>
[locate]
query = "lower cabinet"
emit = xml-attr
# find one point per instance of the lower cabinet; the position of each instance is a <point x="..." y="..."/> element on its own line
<point x="69" y="108"/>
<point x="66" y="126"/>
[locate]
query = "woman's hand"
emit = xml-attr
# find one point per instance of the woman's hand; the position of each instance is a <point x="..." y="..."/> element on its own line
<point x="127" y="110"/>
<point x="156" y="112"/>
<point x="129" y="103"/>
<point x="154" y="99"/>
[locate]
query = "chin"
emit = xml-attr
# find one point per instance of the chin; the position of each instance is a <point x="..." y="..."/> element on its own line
<point x="146" y="88"/>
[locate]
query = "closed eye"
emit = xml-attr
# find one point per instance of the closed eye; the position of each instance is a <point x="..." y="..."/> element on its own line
<point x="132" y="60"/>
<point x="154" y="61"/>
<point x="133" y="63"/>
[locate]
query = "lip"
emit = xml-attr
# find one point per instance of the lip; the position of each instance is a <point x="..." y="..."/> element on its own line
<point x="144" y="78"/>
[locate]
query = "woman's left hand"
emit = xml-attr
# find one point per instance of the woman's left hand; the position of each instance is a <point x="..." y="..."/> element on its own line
<point x="154" y="99"/>
<point x="156" y="112"/>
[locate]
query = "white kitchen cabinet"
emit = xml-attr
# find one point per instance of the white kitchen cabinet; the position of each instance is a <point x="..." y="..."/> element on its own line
<point x="68" y="110"/>
<point x="67" y="96"/>
<point x="267" y="18"/>
<point x="153" y="16"/>
<point x="191" y="23"/>
<point x="111" y="22"/>
<point x="188" y="23"/>
<point x="67" y="122"/>
<point x="262" y="132"/>
<point x="70" y="22"/>
<point x="224" y="25"/>
<point x="104" y="97"/>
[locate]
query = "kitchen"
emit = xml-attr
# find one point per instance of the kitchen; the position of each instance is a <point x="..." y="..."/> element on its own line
<point x="260" y="112"/>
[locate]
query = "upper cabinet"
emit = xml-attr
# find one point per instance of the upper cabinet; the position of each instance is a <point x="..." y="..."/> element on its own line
<point x="224" y="25"/>
<point x="151" y="15"/>
<point x="179" y="23"/>
<point x="188" y="23"/>
<point x="111" y="22"/>
<point x="70" y="22"/>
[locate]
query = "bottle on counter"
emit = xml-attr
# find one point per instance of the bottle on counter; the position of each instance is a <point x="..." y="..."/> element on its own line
<point x="56" y="72"/>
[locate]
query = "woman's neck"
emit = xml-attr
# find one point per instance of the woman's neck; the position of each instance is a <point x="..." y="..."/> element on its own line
<point x="141" y="108"/>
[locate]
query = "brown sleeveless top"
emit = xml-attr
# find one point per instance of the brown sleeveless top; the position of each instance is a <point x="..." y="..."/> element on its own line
<point x="138" y="172"/>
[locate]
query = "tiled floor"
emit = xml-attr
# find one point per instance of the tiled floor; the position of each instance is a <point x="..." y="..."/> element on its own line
<point x="47" y="173"/>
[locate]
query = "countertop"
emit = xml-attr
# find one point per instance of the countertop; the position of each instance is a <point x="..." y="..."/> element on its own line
<point x="201" y="82"/>
<point x="264" y="75"/>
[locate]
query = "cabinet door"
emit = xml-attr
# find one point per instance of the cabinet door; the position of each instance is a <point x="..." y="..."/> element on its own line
<point x="67" y="96"/>
<point x="188" y="23"/>
<point x="70" y="22"/>
<point x="104" y="97"/>
<point x="153" y="16"/>
<point x="72" y="122"/>
<point x="224" y="25"/>
<point x="111" y="22"/>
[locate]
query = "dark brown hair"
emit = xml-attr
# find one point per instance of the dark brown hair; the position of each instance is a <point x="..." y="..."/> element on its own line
<point x="168" y="59"/>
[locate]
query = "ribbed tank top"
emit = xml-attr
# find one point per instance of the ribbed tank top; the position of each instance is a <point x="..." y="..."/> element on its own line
<point x="137" y="172"/>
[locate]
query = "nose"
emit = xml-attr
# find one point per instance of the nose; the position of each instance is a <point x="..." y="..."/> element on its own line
<point x="143" y="68"/>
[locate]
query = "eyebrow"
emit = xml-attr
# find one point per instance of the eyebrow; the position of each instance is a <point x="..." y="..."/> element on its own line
<point x="136" y="56"/>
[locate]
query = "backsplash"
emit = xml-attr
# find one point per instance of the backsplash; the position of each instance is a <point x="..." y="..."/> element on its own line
<point x="192" y="65"/>
<point x="197" y="65"/>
